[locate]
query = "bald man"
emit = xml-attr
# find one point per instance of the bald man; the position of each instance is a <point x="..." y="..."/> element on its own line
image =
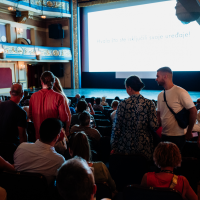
<point x="12" y="120"/>
<point x="177" y="98"/>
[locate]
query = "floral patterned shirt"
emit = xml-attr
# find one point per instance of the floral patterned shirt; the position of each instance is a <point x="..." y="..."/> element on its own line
<point x="133" y="123"/>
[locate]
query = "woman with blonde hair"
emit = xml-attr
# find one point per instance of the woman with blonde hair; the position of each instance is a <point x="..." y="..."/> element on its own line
<point x="167" y="157"/>
<point x="58" y="88"/>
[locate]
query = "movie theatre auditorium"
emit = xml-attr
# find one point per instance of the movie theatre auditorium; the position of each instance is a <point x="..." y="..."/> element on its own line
<point x="54" y="112"/>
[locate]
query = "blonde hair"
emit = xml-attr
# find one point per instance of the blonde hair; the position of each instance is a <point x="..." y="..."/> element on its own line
<point x="58" y="88"/>
<point x="167" y="154"/>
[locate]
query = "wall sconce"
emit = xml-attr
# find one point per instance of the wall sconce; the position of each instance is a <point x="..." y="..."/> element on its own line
<point x="2" y="54"/>
<point x="43" y="16"/>
<point x="19" y="31"/>
<point x="21" y="67"/>
<point x="10" y="8"/>
<point x="38" y="56"/>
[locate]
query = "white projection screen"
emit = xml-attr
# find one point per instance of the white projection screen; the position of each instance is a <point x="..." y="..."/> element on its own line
<point x="138" y="37"/>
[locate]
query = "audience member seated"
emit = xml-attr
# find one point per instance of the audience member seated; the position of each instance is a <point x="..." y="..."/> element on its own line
<point x="97" y="105"/>
<point x="114" y="106"/>
<point x="92" y="133"/>
<point x="83" y="97"/>
<point x="79" y="146"/>
<point x="103" y="102"/>
<point x="41" y="157"/>
<point x="72" y="110"/>
<point x="196" y="127"/>
<point x="75" y="180"/>
<point x="81" y="106"/>
<point x="167" y="156"/>
<point x="13" y="120"/>
<point x="117" y="98"/>
<point x="198" y="104"/>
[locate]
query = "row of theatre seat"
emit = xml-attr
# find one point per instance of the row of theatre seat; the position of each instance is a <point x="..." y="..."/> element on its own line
<point x="127" y="172"/>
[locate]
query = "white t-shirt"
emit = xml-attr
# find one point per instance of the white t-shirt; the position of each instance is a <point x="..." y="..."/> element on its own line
<point x="177" y="98"/>
<point x="38" y="157"/>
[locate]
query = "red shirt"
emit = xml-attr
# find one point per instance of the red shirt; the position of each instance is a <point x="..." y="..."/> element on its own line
<point x="154" y="181"/>
<point x="47" y="104"/>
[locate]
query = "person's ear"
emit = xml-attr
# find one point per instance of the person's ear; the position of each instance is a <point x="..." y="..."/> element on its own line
<point x="70" y="152"/>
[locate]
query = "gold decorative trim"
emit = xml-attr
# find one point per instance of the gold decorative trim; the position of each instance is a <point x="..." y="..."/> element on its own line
<point x="75" y="34"/>
<point x="92" y="3"/>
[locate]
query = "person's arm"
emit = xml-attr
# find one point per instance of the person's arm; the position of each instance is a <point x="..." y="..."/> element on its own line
<point x="22" y="134"/>
<point x="192" y="120"/>
<point x="4" y="165"/>
<point x="188" y="192"/>
<point x="153" y="121"/>
<point x="91" y="109"/>
<point x="117" y="126"/>
<point x="63" y="113"/>
<point x="144" y="180"/>
<point x="30" y="110"/>
<point x="158" y="118"/>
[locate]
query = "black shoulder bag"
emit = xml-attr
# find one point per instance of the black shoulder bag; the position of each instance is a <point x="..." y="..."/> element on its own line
<point x="181" y="117"/>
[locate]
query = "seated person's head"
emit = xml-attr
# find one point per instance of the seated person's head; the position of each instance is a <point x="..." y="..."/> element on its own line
<point x="78" y="96"/>
<point x="198" y="101"/>
<point x="75" y="180"/>
<point x="103" y="98"/>
<point x="81" y="106"/>
<point x="84" y="118"/>
<point x="79" y="146"/>
<point x="167" y="154"/>
<point x="16" y="91"/>
<point x="50" y="130"/>
<point x="134" y="82"/>
<point x="117" y="98"/>
<point x="114" y="104"/>
<point x="98" y="101"/>
<point x="83" y="97"/>
<point x="47" y="78"/>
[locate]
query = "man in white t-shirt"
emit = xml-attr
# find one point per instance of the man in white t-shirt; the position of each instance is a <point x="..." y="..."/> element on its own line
<point x="177" y="98"/>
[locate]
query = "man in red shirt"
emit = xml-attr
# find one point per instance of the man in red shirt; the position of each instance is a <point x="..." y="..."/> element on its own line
<point x="47" y="103"/>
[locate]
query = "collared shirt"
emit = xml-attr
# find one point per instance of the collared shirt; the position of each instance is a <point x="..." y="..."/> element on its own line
<point x="38" y="157"/>
<point x="47" y="104"/>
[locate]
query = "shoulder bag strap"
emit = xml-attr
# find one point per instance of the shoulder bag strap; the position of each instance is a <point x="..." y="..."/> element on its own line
<point x="174" y="181"/>
<point x="168" y="105"/>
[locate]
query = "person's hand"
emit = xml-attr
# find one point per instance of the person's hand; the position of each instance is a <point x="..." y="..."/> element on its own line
<point x="90" y="105"/>
<point x="188" y="135"/>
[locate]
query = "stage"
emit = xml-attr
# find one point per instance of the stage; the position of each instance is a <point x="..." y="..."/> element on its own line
<point x="121" y="93"/>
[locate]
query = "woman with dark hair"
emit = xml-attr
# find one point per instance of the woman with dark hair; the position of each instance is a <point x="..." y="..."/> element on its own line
<point x="134" y="122"/>
<point x="167" y="157"/>
<point x="79" y="146"/>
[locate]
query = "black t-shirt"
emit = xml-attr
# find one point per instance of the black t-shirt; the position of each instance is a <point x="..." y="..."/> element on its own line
<point x="11" y="117"/>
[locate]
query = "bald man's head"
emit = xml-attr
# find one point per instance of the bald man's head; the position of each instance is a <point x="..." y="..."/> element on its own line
<point x="16" y="90"/>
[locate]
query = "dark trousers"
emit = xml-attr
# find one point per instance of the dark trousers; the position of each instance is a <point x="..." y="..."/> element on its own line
<point x="178" y="140"/>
